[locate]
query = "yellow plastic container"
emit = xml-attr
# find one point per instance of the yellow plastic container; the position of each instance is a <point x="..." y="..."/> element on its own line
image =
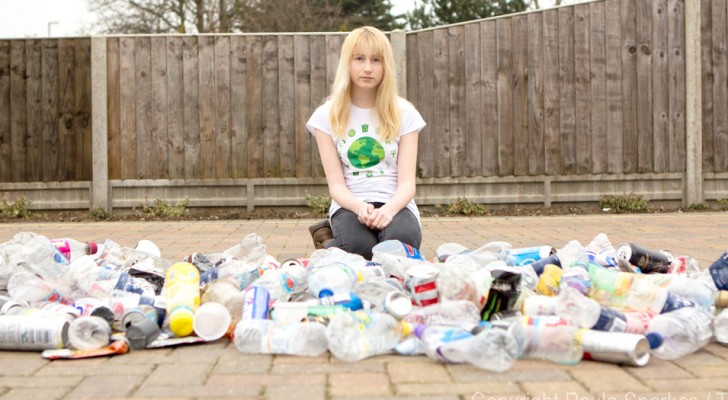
<point x="182" y="286"/>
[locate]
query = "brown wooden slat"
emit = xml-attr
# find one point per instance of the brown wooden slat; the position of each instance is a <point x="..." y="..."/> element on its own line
<point x="457" y="116"/>
<point x="551" y="93"/>
<point x="68" y="156"/>
<point x="505" y="97"/>
<point x="18" y="120"/>
<point x="256" y="112"/>
<point x="677" y="98"/>
<point x="5" y="137"/>
<point x="319" y="91"/>
<point x="302" y="105"/>
<point x="223" y="150"/>
<point x="489" y="96"/>
<point x="582" y="89"/>
<point x="206" y="51"/>
<point x="598" y="89"/>
<point x="614" y="87"/>
<point x="286" y="101"/>
<point x="535" y="95"/>
<point x="424" y="102"/>
<point x="660" y="55"/>
<point x="629" y="86"/>
<point x="645" y="147"/>
<point x="113" y="100"/>
<point x="519" y="51"/>
<point x="472" y="105"/>
<point x="238" y="106"/>
<point x="191" y="106"/>
<point x="567" y="100"/>
<point x="441" y="123"/>
<point x="706" y="61"/>
<point x="33" y="57"/>
<point x="333" y="50"/>
<point x="49" y="110"/>
<point x="271" y="128"/>
<point x="720" y="91"/>
<point x="143" y="106"/>
<point x="175" y="107"/>
<point x="128" y="108"/>
<point x="83" y="110"/>
<point x="159" y="149"/>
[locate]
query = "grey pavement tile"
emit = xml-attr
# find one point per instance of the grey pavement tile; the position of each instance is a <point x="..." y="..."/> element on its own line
<point x="105" y="387"/>
<point x="25" y="393"/>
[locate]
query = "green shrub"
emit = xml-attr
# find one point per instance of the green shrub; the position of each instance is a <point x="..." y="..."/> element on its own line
<point x="163" y="209"/>
<point x="463" y="206"/>
<point x="624" y="203"/>
<point x="319" y="204"/>
<point x="99" y="214"/>
<point x="698" y="207"/>
<point x="20" y="208"/>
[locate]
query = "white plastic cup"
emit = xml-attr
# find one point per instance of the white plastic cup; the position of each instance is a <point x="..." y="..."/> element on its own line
<point x="211" y="321"/>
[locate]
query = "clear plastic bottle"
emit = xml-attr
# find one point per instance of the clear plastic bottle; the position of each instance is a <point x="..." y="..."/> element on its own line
<point x="28" y="287"/>
<point x="572" y="252"/>
<point x="691" y="289"/>
<point x="95" y="281"/>
<point x="460" y="313"/>
<point x="240" y="272"/>
<point x="463" y="281"/>
<point x="37" y="254"/>
<point x="264" y="336"/>
<point x="356" y="335"/>
<point x="251" y="250"/>
<point x="720" y="326"/>
<point x="331" y="278"/>
<point x="227" y="293"/>
<point x="552" y="338"/>
<point x="89" y="333"/>
<point x="385" y="295"/>
<point x="182" y="286"/>
<point x="630" y="291"/>
<point x="73" y="249"/>
<point x="587" y="313"/>
<point x="601" y="251"/>
<point x="284" y="282"/>
<point x="684" y="331"/>
<point x="396" y="257"/>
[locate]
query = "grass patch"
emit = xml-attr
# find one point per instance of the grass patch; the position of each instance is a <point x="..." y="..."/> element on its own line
<point x="624" y="203"/>
<point x="20" y="208"/>
<point x="463" y="206"/>
<point x="319" y="204"/>
<point x="164" y="209"/>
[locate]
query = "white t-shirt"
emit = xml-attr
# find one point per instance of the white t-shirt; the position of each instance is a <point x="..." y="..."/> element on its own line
<point x="369" y="163"/>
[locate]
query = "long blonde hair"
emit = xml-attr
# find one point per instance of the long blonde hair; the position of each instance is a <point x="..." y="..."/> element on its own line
<point x="386" y="105"/>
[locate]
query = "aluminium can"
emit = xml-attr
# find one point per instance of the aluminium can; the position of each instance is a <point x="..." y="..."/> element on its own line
<point x="529" y="255"/>
<point x="648" y="261"/>
<point x="18" y="332"/>
<point x="421" y="284"/>
<point x="616" y="347"/>
<point x="139" y="313"/>
<point x="256" y="304"/>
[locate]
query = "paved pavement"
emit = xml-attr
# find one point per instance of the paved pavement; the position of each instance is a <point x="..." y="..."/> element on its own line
<point x="218" y="370"/>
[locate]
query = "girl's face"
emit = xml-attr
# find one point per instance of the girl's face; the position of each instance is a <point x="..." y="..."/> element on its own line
<point x="366" y="69"/>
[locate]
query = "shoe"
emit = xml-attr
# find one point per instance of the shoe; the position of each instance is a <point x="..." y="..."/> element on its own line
<point x="321" y="233"/>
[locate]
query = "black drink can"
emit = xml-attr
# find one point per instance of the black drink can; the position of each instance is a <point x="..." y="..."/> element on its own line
<point x="648" y="261"/>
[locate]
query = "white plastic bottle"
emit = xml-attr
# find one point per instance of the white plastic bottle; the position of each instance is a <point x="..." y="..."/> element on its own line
<point x="396" y="257"/>
<point x="331" y="278"/>
<point x="460" y="313"/>
<point x="684" y="331"/>
<point x="265" y="336"/>
<point x="284" y="282"/>
<point x="356" y="335"/>
<point x="552" y="338"/>
<point x="720" y="326"/>
<point x="37" y="254"/>
<point x="89" y="333"/>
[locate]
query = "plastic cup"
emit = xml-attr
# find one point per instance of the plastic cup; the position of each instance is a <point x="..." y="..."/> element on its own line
<point x="212" y="321"/>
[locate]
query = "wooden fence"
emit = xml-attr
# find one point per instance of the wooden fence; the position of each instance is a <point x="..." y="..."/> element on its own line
<point x="559" y="105"/>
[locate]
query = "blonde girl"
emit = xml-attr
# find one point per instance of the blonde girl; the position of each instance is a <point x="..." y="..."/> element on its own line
<point x="367" y="138"/>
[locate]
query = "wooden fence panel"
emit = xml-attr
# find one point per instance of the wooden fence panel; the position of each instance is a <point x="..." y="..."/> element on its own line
<point x="489" y="96"/>
<point x="505" y="97"/>
<point x="552" y="93"/>
<point x="473" y="136"/>
<point x="206" y="51"/>
<point x="239" y="106"/>
<point x="519" y="113"/>
<point x="706" y="60"/>
<point x="615" y="161"/>
<point x="319" y="91"/>
<point x="271" y="133"/>
<point x="535" y="95"/>
<point x="583" y="133"/>
<point x="113" y="99"/>
<point x="159" y="136"/>
<point x="18" y="110"/>
<point x="143" y="107"/>
<point x="191" y="106"/>
<point x="676" y="80"/>
<point x="425" y="104"/>
<point x="598" y="89"/>
<point x="567" y="100"/>
<point x="720" y="82"/>
<point x="223" y="149"/>
<point x="175" y="107"/>
<point x="128" y="109"/>
<point x="302" y="110"/>
<point x="49" y="110"/>
<point x="441" y="124"/>
<point x="82" y="110"/>
<point x="67" y="146"/>
<point x="5" y="136"/>
<point x="457" y="116"/>
<point x="629" y="86"/>
<point x="644" y="85"/>
<point x="660" y="100"/>
<point x="286" y="99"/>
<point x="256" y="112"/>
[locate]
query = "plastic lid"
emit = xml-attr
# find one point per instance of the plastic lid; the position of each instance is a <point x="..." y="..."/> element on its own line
<point x="398" y="304"/>
<point x="406" y="329"/>
<point x="181" y="322"/>
<point x="325" y="292"/>
<point x="721" y="300"/>
<point x="655" y="340"/>
<point x="419" y="330"/>
<point x="354" y="302"/>
<point x="92" y="247"/>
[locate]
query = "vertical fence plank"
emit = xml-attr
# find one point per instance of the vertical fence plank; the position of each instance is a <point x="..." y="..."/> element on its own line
<point x="128" y="109"/>
<point x="456" y="54"/>
<point x="706" y="62"/>
<point x="68" y="156"/>
<point x="238" y="106"/>
<point x="567" y="103"/>
<point x="286" y="99"/>
<point x="191" y="106"/>
<point x="472" y="106"/>
<point x="49" y="110"/>
<point x="159" y="149"/>
<point x="519" y="113"/>
<point x="598" y="88"/>
<point x="645" y="149"/>
<point x="206" y="51"/>
<point x="256" y="116"/>
<point x="660" y="56"/>
<point x="552" y="93"/>
<point x="425" y="104"/>
<point x="18" y="121"/>
<point x="175" y="107"/>
<point x="223" y="151"/>
<point x="33" y="57"/>
<point x="302" y="105"/>
<point x="489" y="96"/>
<point x="83" y="110"/>
<point x="441" y="125"/>
<point x="720" y="91"/>
<point x="5" y="137"/>
<point x="333" y="50"/>
<point x="319" y="90"/>
<point x="535" y="94"/>
<point x="143" y="103"/>
<point x="614" y="86"/>
<point x="113" y="102"/>
<point x="271" y="129"/>
<point x="629" y="86"/>
<point x="677" y="88"/>
<point x="582" y="93"/>
<point x="505" y="97"/>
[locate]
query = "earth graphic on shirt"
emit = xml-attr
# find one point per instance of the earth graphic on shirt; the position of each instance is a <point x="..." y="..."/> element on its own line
<point x="365" y="152"/>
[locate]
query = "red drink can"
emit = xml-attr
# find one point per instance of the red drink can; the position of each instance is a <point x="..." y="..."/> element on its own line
<point x="421" y="284"/>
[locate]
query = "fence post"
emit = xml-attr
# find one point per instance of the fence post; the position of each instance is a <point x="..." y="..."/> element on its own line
<point x="693" y="192"/>
<point x="99" y="146"/>
<point x="399" y="48"/>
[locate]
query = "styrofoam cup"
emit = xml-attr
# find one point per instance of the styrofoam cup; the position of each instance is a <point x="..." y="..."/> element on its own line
<point x="212" y="321"/>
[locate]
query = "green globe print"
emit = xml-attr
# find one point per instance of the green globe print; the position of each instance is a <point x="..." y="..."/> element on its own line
<point x="365" y="152"/>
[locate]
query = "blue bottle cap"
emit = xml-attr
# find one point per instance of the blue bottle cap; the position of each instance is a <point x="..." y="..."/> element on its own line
<point x="325" y="292"/>
<point x="354" y="302"/>
<point x="654" y="339"/>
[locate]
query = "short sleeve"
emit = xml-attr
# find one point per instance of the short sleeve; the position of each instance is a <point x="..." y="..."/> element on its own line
<point x="412" y="121"/>
<point x="320" y="119"/>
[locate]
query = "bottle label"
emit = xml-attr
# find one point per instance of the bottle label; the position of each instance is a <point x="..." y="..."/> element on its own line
<point x="610" y="320"/>
<point x="412" y="252"/>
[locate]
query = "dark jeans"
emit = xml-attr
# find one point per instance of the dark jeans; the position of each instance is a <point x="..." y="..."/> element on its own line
<point x="354" y="237"/>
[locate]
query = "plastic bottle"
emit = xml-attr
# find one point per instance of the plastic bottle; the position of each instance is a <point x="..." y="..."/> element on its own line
<point x="89" y="333"/>
<point x="28" y="287"/>
<point x="73" y="249"/>
<point x="552" y="338"/>
<point x="719" y="271"/>
<point x="587" y="313"/>
<point x="385" y="295"/>
<point x="37" y="254"/>
<point x="462" y="281"/>
<point x="95" y="281"/>
<point x="182" y="287"/>
<point x="251" y="250"/>
<point x="684" y="331"/>
<point x="395" y="257"/>
<point x="459" y="313"/>
<point x="282" y="283"/>
<point x="720" y="326"/>
<point x="572" y="252"/>
<point x="227" y="293"/>
<point x="549" y="280"/>
<point x="356" y="335"/>
<point x="692" y="289"/>
<point x="446" y="250"/>
<point x="577" y="277"/>
<point x="331" y="278"/>
<point x="240" y="272"/>
<point x="601" y="251"/>
<point x="270" y="337"/>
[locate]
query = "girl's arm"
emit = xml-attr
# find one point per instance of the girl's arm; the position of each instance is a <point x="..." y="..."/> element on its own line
<point x="406" y="176"/>
<point x="335" y="178"/>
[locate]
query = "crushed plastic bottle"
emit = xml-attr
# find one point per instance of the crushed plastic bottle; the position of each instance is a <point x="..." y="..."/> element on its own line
<point x="89" y="333"/>
<point x="331" y="278"/>
<point x="396" y="257"/>
<point x="683" y="331"/>
<point x="356" y="335"/>
<point x="264" y="336"/>
<point x="73" y="249"/>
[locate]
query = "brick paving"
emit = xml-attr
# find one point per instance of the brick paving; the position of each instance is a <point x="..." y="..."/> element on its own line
<point x="218" y="370"/>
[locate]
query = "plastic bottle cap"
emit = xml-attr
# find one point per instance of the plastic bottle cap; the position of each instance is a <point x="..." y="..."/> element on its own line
<point x="654" y="339"/>
<point x="721" y="300"/>
<point x="92" y="247"/>
<point x="419" y="330"/>
<point x="325" y="293"/>
<point x="181" y="322"/>
<point x="406" y="329"/>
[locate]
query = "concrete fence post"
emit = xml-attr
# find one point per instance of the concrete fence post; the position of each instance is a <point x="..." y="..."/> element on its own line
<point x="99" y="141"/>
<point x="399" y="47"/>
<point x="693" y="186"/>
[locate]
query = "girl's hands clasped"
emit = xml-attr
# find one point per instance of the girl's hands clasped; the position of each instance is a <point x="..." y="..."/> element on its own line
<point x="380" y="218"/>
